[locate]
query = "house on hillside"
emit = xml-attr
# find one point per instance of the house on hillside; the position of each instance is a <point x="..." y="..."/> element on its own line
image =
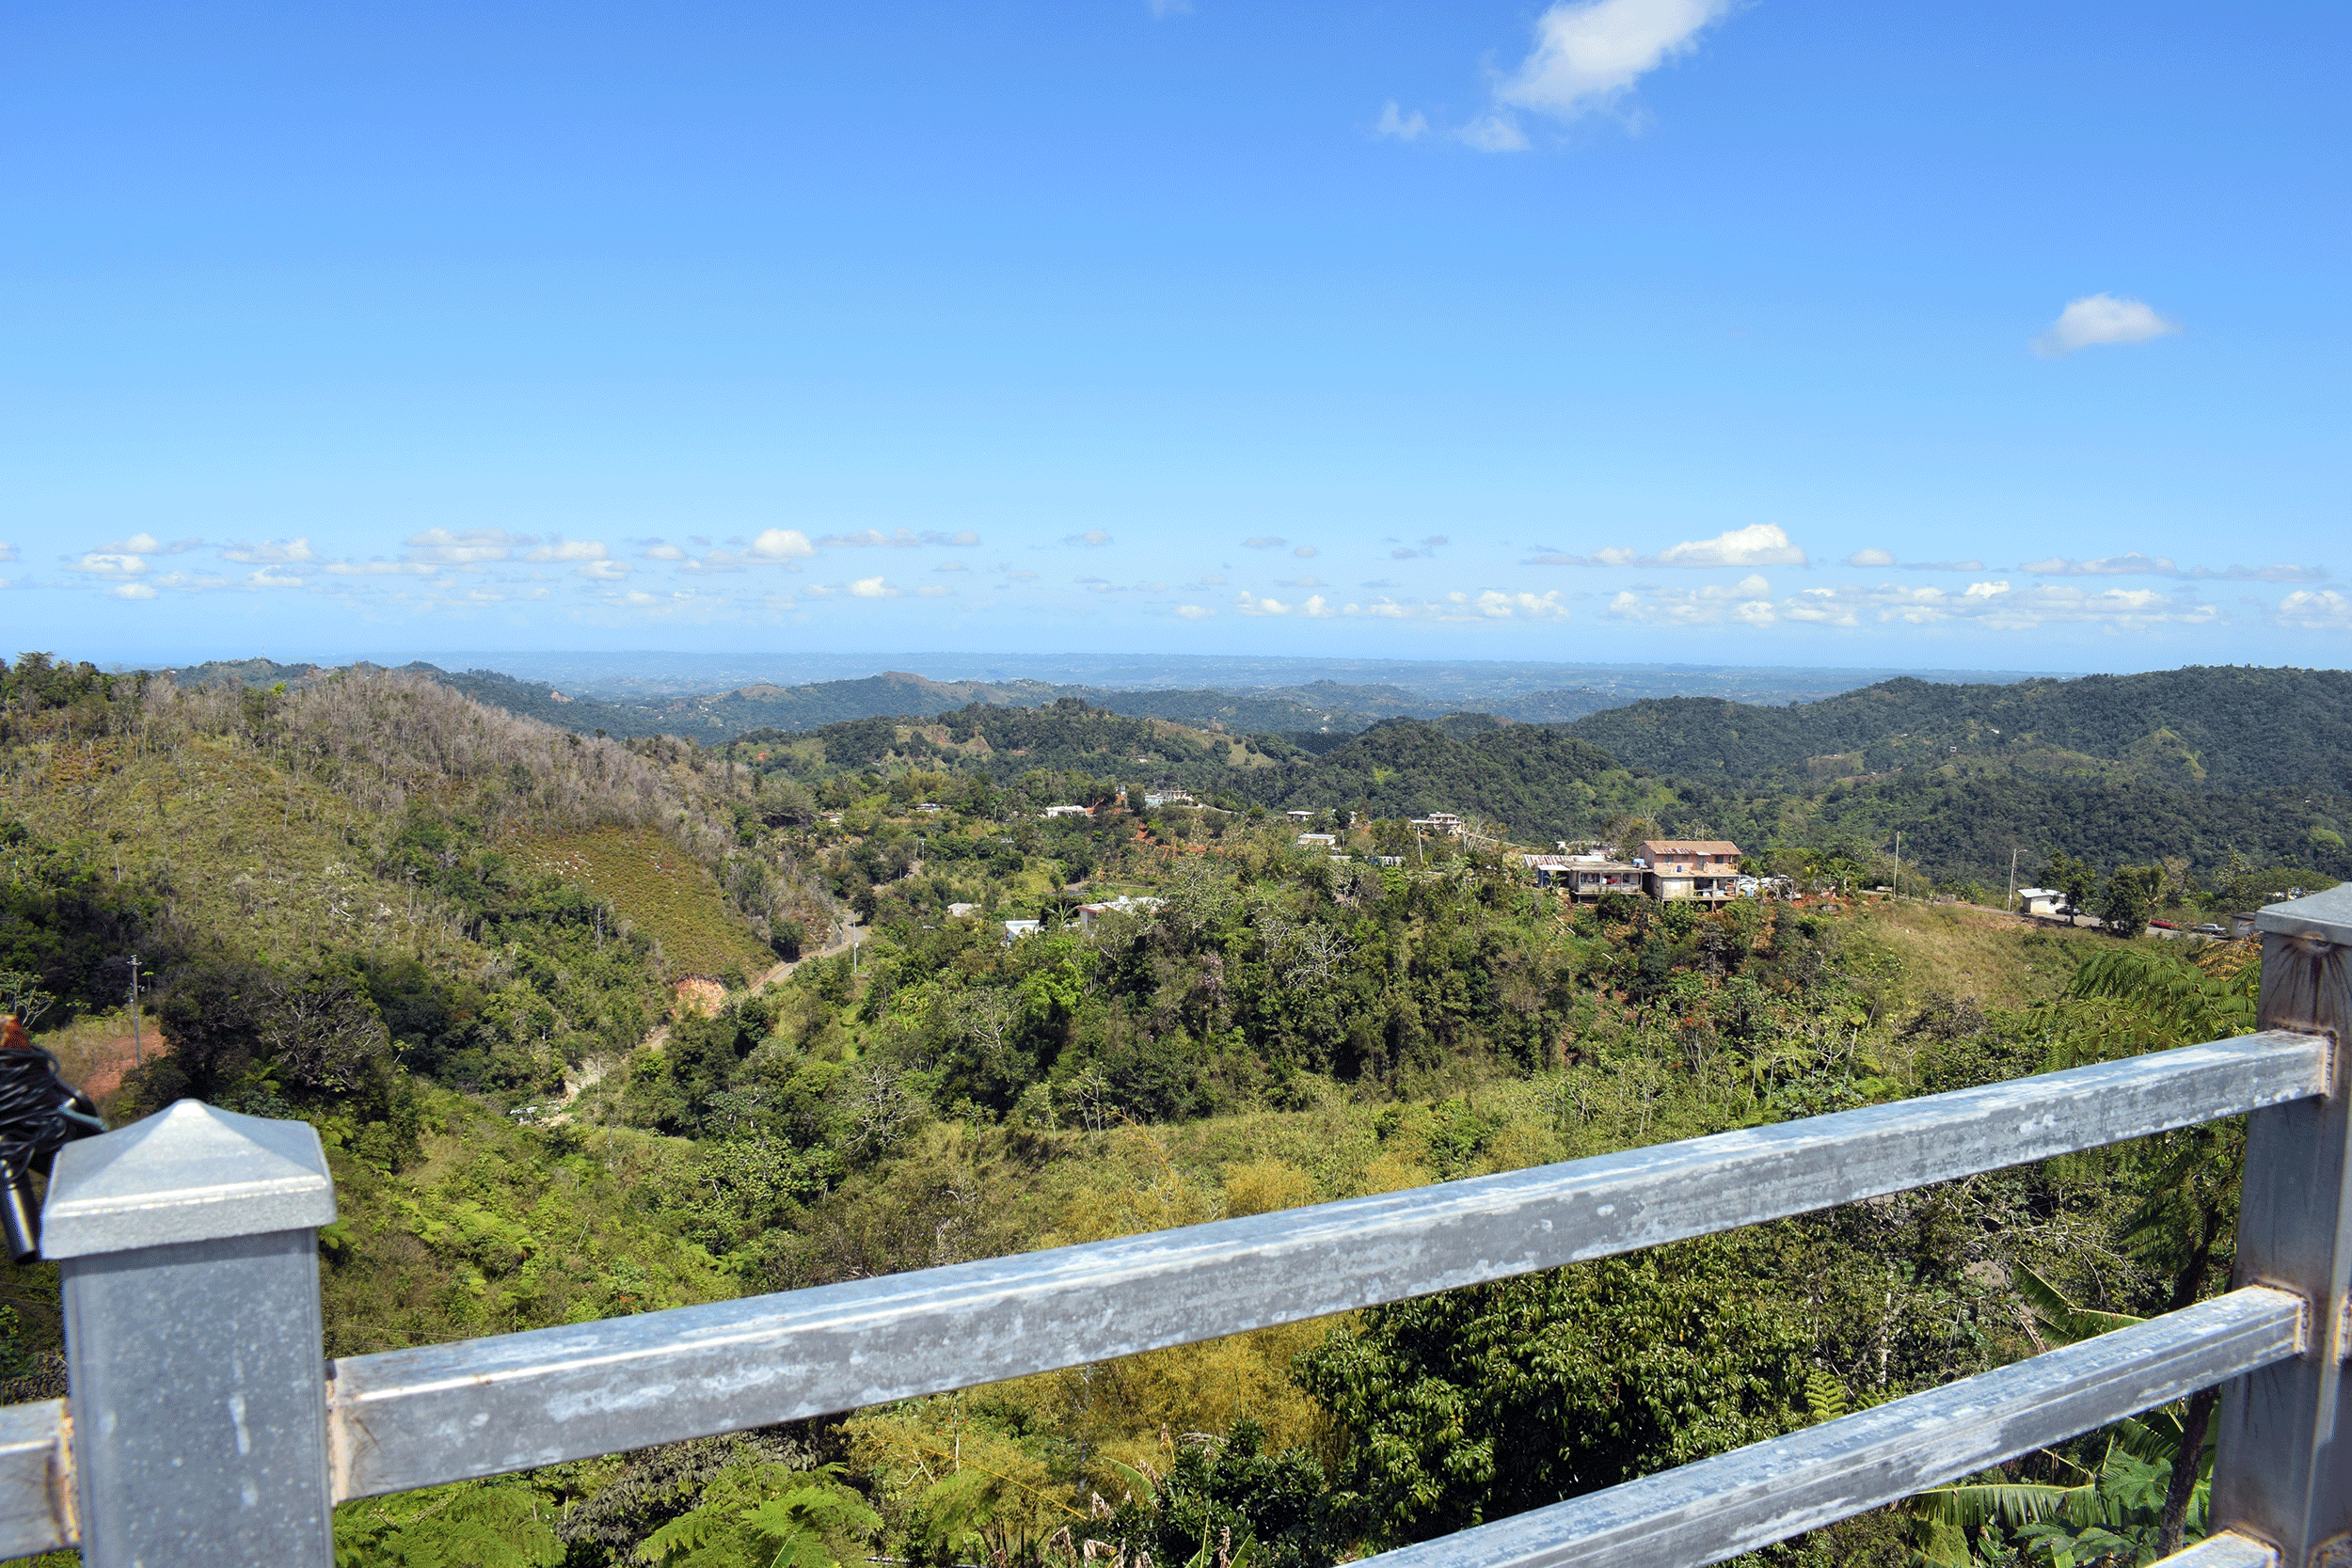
<point x="1068" y="811"/>
<point x="1584" y="877"/>
<point x="1123" y="904"/>
<point x="1301" y="816"/>
<point x="1318" y="841"/>
<point x="1016" y="929"/>
<point x="1706" y="869"/>
<point x="1155" y="798"/>
<point x="2041" y="900"/>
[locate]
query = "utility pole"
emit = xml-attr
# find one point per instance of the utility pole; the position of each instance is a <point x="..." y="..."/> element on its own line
<point x="2010" y="902"/>
<point x="138" y="1055"/>
<point x="1899" y="862"/>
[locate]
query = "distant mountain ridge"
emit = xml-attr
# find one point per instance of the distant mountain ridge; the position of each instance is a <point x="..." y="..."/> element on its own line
<point x="1321" y="707"/>
<point x="2215" y="727"/>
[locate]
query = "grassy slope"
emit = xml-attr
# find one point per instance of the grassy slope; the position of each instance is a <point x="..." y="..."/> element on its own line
<point x="267" y="862"/>
<point x="668" y="896"/>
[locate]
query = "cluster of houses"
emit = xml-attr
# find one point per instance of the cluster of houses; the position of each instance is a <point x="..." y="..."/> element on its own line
<point x="1089" y="914"/>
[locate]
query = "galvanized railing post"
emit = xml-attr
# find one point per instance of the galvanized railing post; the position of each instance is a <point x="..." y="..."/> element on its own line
<point x="2283" y="1472"/>
<point x="187" y="1245"/>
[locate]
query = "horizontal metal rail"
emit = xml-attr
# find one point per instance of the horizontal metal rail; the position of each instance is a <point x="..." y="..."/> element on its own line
<point x="443" y="1413"/>
<point x="2227" y="1550"/>
<point x="1736" y="1502"/>
<point x="35" y="1478"/>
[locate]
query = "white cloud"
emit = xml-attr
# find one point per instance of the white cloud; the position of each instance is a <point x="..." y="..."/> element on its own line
<point x="1871" y="557"/>
<point x="1757" y="544"/>
<point x="472" y="545"/>
<point x="272" y="576"/>
<point x="1306" y="552"/>
<point x="270" y="552"/>
<point x="132" y="591"/>
<point x="1250" y="604"/>
<point x="1495" y="133"/>
<point x="2323" y="610"/>
<point x="2097" y="319"/>
<point x="1587" y="56"/>
<point x="380" y="568"/>
<point x="147" y="544"/>
<point x="658" y="551"/>
<point x="934" y="590"/>
<point x="1193" y="611"/>
<point x="1747" y="600"/>
<point x="902" y="539"/>
<point x="7" y="552"/>
<point x="1263" y="542"/>
<point x="1403" y="127"/>
<point x="779" y="544"/>
<point x="2136" y="564"/>
<point x="561" y="548"/>
<point x="1535" y="607"/>
<point x="104" y="563"/>
<point x="1094" y="538"/>
<point x="820" y="591"/>
<point x="1215" y="579"/>
<point x="603" y="571"/>
<point x="873" y="587"/>
<point x="1996" y="603"/>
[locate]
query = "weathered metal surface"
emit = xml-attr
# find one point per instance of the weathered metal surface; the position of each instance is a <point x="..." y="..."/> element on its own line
<point x="1751" y="1496"/>
<point x="2321" y="917"/>
<point x="189" y="1174"/>
<point x="199" y="1407"/>
<point x="2228" y="1549"/>
<point x="35" y="1478"/>
<point x="2283" y="1470"/>
<point x="441" y="1412"/>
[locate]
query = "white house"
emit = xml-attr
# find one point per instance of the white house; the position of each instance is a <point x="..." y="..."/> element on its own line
<point x="1123" y="904"/>
<point x="1016" y="929"/>
<point x="2041" y="900"/>
<point x="1317" y="841"/>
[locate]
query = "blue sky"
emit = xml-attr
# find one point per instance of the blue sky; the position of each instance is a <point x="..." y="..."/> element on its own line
<point x="1769" y="333"/>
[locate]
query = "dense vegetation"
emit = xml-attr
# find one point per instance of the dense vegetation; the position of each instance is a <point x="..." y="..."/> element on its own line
<point x="452" y="939"/>
<point x="2236" y="729"/>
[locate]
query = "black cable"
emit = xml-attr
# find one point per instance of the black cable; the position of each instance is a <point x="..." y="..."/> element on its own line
<point x="40" y="1113"/>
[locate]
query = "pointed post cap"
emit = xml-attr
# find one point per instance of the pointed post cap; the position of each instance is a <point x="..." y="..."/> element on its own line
<point x="2326" y="916"/>
<point x="191" y="1174"/>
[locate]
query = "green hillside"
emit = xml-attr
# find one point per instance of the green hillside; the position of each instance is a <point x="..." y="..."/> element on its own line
<point x="2227" y="728"/>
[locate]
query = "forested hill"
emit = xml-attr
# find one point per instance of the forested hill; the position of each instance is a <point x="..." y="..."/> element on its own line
<point x="1318" y="708"/>
<point x="2227" y="727"/>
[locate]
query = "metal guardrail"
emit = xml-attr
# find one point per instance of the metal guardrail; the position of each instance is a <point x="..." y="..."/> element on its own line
<point x="200" y="1431"/>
